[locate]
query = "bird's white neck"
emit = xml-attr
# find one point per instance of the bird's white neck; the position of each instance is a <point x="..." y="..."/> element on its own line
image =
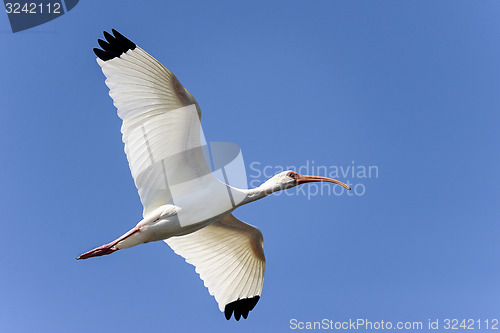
<point x="260" y="192"/>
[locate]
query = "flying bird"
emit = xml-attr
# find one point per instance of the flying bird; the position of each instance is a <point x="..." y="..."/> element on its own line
<point x="185" y="204"/>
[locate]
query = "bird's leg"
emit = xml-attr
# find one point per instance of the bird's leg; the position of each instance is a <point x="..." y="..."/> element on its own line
<point x="108" y="248"/>
<point x="99" y="251"/>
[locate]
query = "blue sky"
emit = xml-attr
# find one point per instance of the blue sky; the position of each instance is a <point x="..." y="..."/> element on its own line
<point x="409" y="87"/>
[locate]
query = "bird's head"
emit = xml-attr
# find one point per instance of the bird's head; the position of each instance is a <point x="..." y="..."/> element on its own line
<point x="289" y="179"/>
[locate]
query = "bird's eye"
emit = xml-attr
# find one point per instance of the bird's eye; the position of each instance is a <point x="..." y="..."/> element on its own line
<point x="291" y="174"/>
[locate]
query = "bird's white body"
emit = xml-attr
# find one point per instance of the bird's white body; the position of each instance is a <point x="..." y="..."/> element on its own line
<point x="184" y="203"/>
<point x="163" y="222"/>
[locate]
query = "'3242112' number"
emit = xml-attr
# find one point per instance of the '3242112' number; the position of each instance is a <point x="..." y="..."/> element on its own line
<point x="470" y="324"/>
<point x="33" y="8"/>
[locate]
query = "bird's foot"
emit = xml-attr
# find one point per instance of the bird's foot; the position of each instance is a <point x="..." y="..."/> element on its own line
<point x="110" y="247"/>
<point x="99" y="251"/>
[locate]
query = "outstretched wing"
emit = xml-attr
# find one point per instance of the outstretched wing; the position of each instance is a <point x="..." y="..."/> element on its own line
<point x="161" y="120"/>
<point x="229" y="256"/>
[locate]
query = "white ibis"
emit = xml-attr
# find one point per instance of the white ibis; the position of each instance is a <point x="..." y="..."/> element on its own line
<point x="185" y="205"/>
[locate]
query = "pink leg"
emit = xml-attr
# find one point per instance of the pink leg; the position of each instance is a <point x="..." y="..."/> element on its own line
<point x="107" y="248"/>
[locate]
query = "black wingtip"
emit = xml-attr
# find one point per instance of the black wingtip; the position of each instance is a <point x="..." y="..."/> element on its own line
<point x="108" y="36"/>
<point x="102" y="55"/>
<point x="240" y="308"/>
<point x="114" y="46"/>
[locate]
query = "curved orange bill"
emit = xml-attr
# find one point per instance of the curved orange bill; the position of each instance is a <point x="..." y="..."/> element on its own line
<point x="302" y="179"/>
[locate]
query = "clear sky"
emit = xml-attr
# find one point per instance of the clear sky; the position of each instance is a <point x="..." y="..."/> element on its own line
<point x="411" y="88"/>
